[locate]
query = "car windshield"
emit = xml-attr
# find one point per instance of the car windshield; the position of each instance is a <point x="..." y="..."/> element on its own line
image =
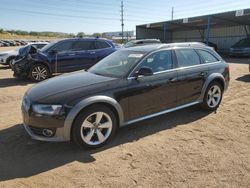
<point x="244" y="43"/>
<point x="117" y="64"/>
<point x="46" y="47"/>
<point x="129" y="44"/>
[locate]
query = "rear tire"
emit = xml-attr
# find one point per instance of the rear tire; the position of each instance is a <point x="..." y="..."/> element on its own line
<point x="213" y="96"/>
<point x="94" y="127"/>
<point x="39" y="72"/>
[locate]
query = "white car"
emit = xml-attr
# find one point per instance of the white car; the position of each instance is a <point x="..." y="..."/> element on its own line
<point x="7" y="57"/>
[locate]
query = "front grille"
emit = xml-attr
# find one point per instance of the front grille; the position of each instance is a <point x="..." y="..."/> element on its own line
<point x="36" y="130"/>
<point x="18" y="68"/>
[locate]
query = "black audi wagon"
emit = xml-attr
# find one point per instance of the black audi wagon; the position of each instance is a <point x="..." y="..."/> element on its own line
<point x="130" y="85"/>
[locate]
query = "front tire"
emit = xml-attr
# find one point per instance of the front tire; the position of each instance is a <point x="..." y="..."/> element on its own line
<point x="94" y="127"/>
<point x="39" y="72"/>
<point x="9" y="60"/>
<point x="213" y="96"/>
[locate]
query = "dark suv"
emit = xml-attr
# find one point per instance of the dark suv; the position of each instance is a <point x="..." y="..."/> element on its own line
<point x="60" y="57"/>
<point x="241" y="48"/>
<point x="130" y="85"/>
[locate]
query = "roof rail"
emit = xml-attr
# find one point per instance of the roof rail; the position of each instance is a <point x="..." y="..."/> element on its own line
<point x="182" y="44"/>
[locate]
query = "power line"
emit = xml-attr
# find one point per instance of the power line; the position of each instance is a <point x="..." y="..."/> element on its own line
<point x="73" y="16"/>
<point x="172" y="13"/>
<point x="122" y="21"/>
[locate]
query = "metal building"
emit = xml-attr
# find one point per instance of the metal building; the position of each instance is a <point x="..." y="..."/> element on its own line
<point x="222" y="29"/>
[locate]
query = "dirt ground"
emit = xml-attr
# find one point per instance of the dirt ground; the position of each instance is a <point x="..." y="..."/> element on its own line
<point x="187" y="148"/>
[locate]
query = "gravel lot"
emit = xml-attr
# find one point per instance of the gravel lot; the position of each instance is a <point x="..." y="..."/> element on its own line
<point x="187" y="148"/>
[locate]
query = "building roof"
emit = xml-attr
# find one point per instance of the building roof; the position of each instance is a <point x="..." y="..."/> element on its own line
<point x="225" y="19"/>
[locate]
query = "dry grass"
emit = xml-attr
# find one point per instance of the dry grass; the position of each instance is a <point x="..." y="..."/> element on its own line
<point x="28" y="37"/>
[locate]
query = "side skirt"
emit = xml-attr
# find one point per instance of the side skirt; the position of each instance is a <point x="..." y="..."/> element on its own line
<point x="159" y="113"/>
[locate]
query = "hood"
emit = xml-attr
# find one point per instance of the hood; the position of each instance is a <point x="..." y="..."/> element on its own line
<point x="63" y="86"/>
<point x="39" y="56"/>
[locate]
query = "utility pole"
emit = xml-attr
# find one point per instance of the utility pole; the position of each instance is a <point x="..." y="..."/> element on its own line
<point x="172" y="15"/>
<point x="122" y="20"/>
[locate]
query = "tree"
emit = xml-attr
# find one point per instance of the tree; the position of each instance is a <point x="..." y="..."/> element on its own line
<point x="97" y="35"/>
<point x="81" y="34"/>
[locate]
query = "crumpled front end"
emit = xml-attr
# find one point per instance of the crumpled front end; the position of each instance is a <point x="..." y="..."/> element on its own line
<point x="21" y="67"/>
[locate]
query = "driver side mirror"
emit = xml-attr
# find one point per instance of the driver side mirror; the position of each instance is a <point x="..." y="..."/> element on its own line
<point x="144" y="71"/>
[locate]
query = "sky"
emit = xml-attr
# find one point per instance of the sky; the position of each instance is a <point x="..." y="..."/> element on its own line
<point x="90" y="16"/>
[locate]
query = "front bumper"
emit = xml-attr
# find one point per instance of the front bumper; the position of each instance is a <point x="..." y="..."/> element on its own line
<point x="19" y="71"/>
<point x="58" y="137"/>
<point x="36" y="125"/>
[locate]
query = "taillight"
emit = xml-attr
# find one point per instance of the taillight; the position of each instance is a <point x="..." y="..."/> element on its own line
<point x="227" y="71"/>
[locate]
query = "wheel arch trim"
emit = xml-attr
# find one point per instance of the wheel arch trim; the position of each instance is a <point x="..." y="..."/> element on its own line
<point x="209" y="79"/>
<point x="43" y="63"/>
<point x="86" y="102"/>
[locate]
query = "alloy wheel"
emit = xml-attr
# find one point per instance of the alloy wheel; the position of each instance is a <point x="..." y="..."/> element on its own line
<point x="39" y="73"/>
<point x="96" y="128"/>
<point x="213" y="96"/>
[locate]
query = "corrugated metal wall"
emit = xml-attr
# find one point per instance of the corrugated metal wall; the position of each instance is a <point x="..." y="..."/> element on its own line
<point x="146" y="33"/>
<point x="224" y="37"/>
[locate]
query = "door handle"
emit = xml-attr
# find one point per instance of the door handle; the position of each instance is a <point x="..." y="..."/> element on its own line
<point x="91" y="52"/>
<point x="171" y="80"/>
<point x="149" y="85"/>
<point x="203" y="74"/>
<point x="71" y="54"/>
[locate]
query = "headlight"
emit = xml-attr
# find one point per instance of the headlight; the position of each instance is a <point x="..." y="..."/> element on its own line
<point x="47" y="109"/>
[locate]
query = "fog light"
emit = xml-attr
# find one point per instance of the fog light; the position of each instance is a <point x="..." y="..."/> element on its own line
<point x="48" y="132"/>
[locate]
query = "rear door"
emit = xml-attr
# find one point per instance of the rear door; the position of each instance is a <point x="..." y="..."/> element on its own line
<point x="192" y="74"/>
<point x="102" y="49"/>
<point x="84" y="54"/>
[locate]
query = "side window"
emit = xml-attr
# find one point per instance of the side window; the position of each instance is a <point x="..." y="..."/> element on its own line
<point x="101" y="45"/>
<point x="207" y="57"/>
<point x="159" y="61"/>
<point x="63" y="46"/>
<point x="83" y="45"/>
<point x="187" y="57"/>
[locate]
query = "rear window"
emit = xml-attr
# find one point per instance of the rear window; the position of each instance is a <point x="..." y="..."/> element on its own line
<point x="207" y="57"/>
<point x="152" y="42"/>
<point x="101" y="45"/>
<point x="187" y="57"/>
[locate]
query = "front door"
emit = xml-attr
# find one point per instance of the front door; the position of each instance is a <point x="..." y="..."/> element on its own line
<point x="151" y="94"/>
<point x="62" y="56"/>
